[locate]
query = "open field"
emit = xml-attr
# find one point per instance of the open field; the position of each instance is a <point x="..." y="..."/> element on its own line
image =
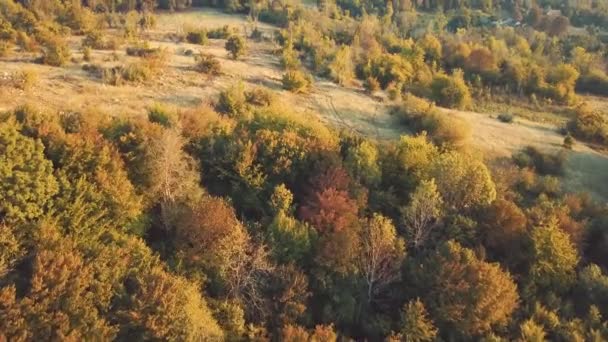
<point x="71" y="87"/>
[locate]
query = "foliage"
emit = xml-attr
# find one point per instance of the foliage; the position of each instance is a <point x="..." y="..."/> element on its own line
<point x="235" y="45"/>
<point x="415" y="324"/>
<point x="465" y="294"/>
<point x="463" y="181"/>
<point x="197" y="37"/>
<point x="554" y="258"/>
<point x="207" y="64"/>
<point x="27" y="179"/>
<point x="451" y="91"/>
<point x="296" y="81"/>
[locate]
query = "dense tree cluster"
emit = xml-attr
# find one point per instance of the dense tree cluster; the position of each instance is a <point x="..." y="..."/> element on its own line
<point x="258" y="224"/>
<point x="250" y="221"/>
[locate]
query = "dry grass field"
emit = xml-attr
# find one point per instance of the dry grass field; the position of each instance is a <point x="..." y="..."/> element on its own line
<point x="180" y="86"/>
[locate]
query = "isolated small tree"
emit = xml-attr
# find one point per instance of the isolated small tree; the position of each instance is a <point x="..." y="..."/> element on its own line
<point x="568" y="141"/>
<point x="342" y="68"/>
<point x="236" y="46"/>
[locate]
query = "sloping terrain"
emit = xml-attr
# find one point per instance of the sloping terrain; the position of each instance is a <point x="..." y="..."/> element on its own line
<point x="343" y="107"/>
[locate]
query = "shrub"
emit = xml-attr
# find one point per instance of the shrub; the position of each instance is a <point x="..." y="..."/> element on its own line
<point x="387" y="69"/>
<point x="137" y="72"/>
<point x="235" y="45"/>
<point x="232" y="101"/>
<point x="594" y="82"/>
<point x="147" y="21"/>
<point x="26" y="43"/>
<point x="86" y="54"/>
<point x="589" y="124"/>
<point x="371" y="85"/>
<point x="208" y="64"/>
<point x="568" y="142"/>
<point x="95" y="39"/>
<point x="26" y="79"/>
<point x="5" y="48"/>
<point x="55" y="52"/>
<point x="142" y="50"/>
<point x="259" y="96"/>
<point x="221" y="33"/>
<point x="505" y="117"/>
<point x="543" y="163"/>
<point x="197" y="37"/>
<point x="422" y="115"/>
<point x="451" y="91"/>
<point x="161" y="115"/>
<point x="296" y="81"/>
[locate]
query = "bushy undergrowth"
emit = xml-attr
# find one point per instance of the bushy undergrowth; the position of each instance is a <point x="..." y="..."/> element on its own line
<point x="422" y="115"/>
<point x="207" y="64"/>
<point x="296" y="81"/>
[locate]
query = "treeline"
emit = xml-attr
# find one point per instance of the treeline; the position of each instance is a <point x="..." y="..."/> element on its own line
<point x="251" y="222"/>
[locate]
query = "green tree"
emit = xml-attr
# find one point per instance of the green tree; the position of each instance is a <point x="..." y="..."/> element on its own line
<point x="26" y="176"/>
<point x="236" y="46"/>
<point x="451" y="91"/>
<point x="432" y="47"/>
<point x="342" y="69"/>
<point x="554" y="258"/>
<point x="362" y="162"/>
<point x="463" y="181"/>
<point x="416" y="326"/>
<point x="88" y="157"/>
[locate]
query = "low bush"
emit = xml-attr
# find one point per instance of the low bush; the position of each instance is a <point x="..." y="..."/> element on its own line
<point x="505" y="117"/>
<point x="197" y="37"/>
<point x="296" y="81"/>
<point x="142" y="50"/>
<point x="236" y="46"/>
<point x="55" y="52"/>
<point x="161" y="115"/>
<point x="589" y="124"/>
<point x="451" y="91"/>
<point x="26" y="79"/>
<point x="119" y="75"/>
<point x="222" y="32"/>
<point x="568" y="142"/>
<point x="259" y="96"/>
<point x="543" y="163"/>
<point x="5" y="48"/>
<point x="208" y="64"/>
<point x="136" y="72"/>
<point x="594" y="82"/>
<point x="232" y="101"/>
<point x="95" y="39"/>
<point x="86" y="54"/>
<point x="422" y="115"/>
